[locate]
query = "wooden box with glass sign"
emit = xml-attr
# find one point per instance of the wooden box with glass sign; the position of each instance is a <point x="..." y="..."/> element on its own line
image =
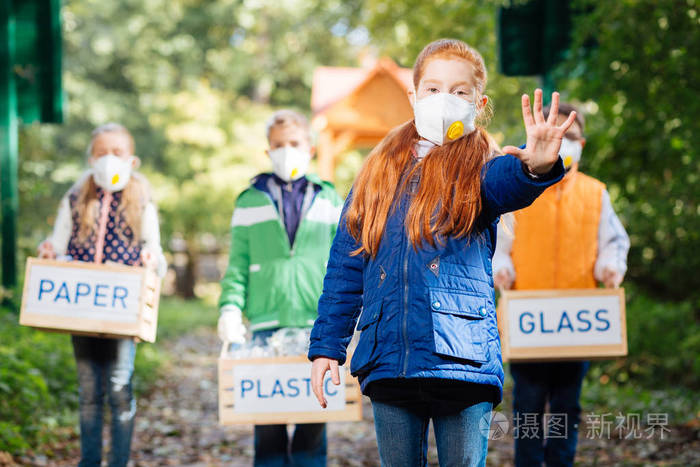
<point x="541" y="325"/>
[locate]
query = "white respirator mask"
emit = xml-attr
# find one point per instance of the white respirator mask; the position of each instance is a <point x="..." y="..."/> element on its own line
<point x="289" y="163"/>
<point x="444" y="117"/>
<point x="111" y="172"/>
<point x="570" y="152"/>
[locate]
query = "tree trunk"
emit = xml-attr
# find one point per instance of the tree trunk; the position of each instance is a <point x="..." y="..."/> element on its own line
<point x="186" y="276"/>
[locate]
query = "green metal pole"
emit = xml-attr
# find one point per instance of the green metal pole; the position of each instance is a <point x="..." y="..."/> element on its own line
<point x="8" y="146"/>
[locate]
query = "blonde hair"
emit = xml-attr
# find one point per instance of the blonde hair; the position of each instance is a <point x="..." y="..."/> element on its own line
<point x="287" y="117"/>
<point x="135" y="195"/>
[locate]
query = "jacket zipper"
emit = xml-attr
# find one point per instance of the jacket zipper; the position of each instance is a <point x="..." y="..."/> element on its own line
<point x="306" y="205"/>
<point x="102" y="227"/>
<point x="405" y="242"/>
<point x="405" y="308"/>
<point x="280" y="212"/>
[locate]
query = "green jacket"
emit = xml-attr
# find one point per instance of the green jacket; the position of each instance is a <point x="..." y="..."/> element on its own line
<point x="273" y="283"/>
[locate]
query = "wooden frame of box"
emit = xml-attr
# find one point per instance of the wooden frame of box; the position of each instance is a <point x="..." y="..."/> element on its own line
<point x="602" y="346"/>
<point x="134" y="300"/>
<point x="228" y="415"/>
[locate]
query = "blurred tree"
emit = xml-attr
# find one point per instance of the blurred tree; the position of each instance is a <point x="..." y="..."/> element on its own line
<point x="639" y="87"/>
<point x="401" y="28"/>
<point x="642" y="85"/>
<point x="194" y="81"/>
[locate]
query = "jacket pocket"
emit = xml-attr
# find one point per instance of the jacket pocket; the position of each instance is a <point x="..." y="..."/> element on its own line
<point x="366" y="351"/>
<point x="459" y="328"/>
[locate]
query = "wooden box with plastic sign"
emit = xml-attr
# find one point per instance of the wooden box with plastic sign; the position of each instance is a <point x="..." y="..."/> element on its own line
<point x="277" y="390"/>
<point x="104" y="300"/>
<point x="550" y="325"/>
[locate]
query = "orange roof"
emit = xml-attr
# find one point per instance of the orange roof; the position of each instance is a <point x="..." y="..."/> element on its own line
<point x="332" y="84"/>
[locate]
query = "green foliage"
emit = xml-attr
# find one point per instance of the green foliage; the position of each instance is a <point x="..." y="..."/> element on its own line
<point x="402" y="28"/>
<point x="179" y="317"/>
<point x="664" y="344"/>
<point x="599" y="395"/>
<point x="639" y="87"/>
<point x="641" y="84"/>
<point x="664" y="347"/>
<point x="38" y="385"/>
<point x="194" y="80"/>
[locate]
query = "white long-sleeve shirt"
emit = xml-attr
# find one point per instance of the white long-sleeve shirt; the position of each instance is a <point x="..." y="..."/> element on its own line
<point x="150" y="232"/>
<point x="613" y="243"/>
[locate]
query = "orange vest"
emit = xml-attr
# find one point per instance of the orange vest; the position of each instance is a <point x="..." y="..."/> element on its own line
<point x="556" y="238"/>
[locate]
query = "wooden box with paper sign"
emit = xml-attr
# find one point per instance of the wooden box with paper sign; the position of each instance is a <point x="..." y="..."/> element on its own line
<point x="277" y="390"/>
<point x="542" y="325"/>
<point x="107" y="300"/>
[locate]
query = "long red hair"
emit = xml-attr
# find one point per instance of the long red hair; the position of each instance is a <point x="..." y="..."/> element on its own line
<point x="448" y="199"/>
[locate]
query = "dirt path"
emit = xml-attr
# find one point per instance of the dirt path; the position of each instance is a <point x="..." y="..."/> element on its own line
<point x="177" y="425"/>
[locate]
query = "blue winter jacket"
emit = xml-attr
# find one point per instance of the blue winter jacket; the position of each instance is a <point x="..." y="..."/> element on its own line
<point x="428" y="313"/>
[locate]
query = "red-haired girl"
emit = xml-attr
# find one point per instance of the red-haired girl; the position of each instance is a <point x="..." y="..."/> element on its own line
<point x="412" y="260"/>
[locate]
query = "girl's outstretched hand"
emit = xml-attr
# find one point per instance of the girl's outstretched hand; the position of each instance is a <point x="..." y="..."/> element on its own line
<point x="318" y="373"/>
<point x="543" y="137"/>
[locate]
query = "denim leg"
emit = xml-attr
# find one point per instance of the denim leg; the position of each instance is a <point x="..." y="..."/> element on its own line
<point x="309" y="445"/>
<point x="271" y="443"/>
<point x="565" y="412"/>
<point x="529" y="398"/>
<point x="402" y="434"/>
<point x="121" y="399"/>
<point x="460" y="441"/>
<point x="91" y="399"/>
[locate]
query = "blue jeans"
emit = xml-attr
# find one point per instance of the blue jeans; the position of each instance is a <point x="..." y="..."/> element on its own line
<point x="535" y="383"/>
<point x="402" y="433"/>
<point x="272" y="449"/>
<point x="105" y="365"/>
<point x="308" y="447"/>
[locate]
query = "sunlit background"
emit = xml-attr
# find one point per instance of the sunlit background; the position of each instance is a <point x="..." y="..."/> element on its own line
<point x="195" y="80"/>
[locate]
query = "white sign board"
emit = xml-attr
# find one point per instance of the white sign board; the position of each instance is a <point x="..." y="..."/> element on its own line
<point x="562" y="324"/>
<point x="283" y="387"/>
<point x="277" y="390"/>
<point x="80" y="294"/>
<point x="94" y="299"/>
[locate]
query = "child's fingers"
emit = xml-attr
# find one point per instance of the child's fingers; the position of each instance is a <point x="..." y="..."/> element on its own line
<point x="527" y="113"/>
<point x="569" y="121"/>
<point x="618" y="281"/>
<point x="318" y="371"/>
<point x="611" y="278"/>
<point x="539" y="116"/>
<point x="554" y="109"/>
<point x="514" y="151"/>
<point x="335" y="374"/>
<point x="45" y="251"/>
